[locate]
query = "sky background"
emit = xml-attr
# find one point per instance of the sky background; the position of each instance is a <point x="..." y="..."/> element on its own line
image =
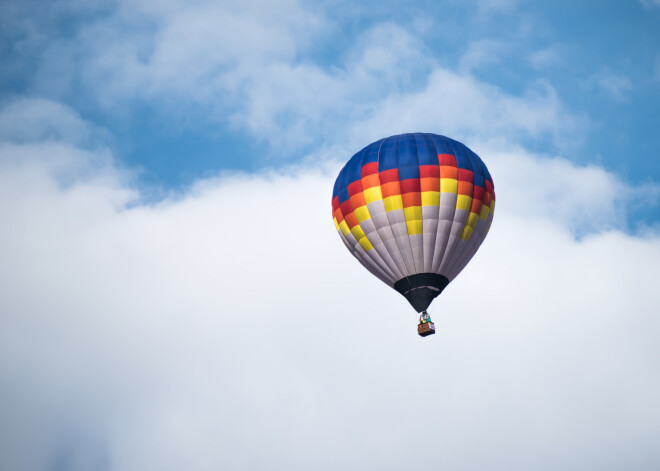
<point x="173" y="294"/>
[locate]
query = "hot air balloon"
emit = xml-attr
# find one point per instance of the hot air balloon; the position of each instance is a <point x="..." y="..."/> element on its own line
<point x="414" y="209"/>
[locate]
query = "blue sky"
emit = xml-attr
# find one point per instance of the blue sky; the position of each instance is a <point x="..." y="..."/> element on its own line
<point x="173" y="293"/>
<point x="598" y="60"/>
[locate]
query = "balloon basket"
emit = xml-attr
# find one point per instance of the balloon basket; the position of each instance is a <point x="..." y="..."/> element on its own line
<point x="426" y="328"/>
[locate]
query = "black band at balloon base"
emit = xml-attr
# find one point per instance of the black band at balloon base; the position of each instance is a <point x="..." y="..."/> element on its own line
<point x="422" y="288"/>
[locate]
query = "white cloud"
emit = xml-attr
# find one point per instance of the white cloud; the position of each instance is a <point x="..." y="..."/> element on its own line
<point x="25" y="120"/>
<point x="582" y="199"/>
<point x="648" y="4"/>
<point x="482" y="53"/>
<point x="464" y="107"/>
<point x="235" y="64"/>
<point x="486" y="8"/>
<point x="253" y="73"/>
<point x="230" y="329"/>
<point x="616" y="86"/>
<point x="305" y="103"/>
<point x="200" y="51"/>
<point x="545" y="58"/>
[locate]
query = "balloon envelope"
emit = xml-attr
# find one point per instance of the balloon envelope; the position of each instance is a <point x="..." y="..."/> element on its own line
<point x="414" y="209"/>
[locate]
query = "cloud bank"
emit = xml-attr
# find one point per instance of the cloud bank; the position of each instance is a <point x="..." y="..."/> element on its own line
<point x="228" y="327"/>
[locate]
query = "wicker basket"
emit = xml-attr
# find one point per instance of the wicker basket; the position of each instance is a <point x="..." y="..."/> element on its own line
<point x="426" y="328"/>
